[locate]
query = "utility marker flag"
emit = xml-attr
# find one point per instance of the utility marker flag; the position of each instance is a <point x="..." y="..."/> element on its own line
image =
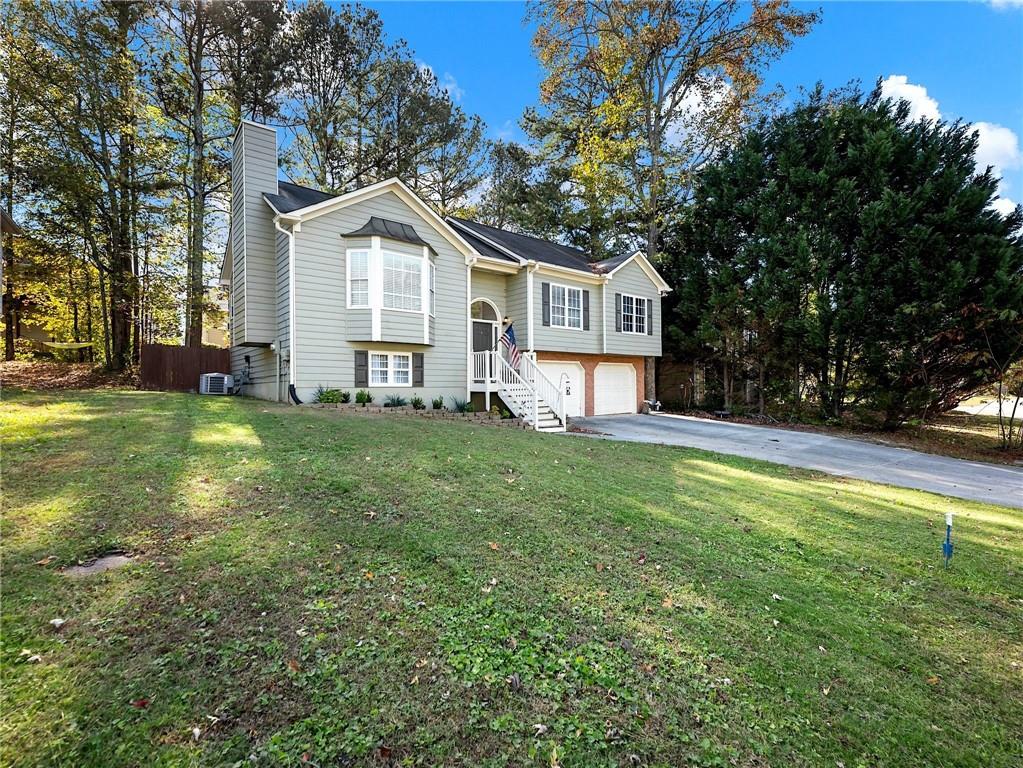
<point x="508" y="340"/>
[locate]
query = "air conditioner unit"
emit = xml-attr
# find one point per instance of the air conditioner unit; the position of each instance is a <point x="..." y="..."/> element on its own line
<point x="216" y="384"/>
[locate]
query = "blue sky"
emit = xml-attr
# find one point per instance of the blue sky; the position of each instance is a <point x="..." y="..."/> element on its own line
<point x="953" y="59"/>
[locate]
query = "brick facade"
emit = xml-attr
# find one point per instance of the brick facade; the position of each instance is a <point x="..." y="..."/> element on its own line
<point x="589" y="364"/>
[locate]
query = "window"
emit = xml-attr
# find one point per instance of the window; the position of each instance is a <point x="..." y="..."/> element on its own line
<point x="566" y="307"/>
<point x="358" y="278"/>
<point x="433" y="288"/>
<point x="634" y="310"/>
<point x="403" y="282"/>
<point x="390" y="369"/>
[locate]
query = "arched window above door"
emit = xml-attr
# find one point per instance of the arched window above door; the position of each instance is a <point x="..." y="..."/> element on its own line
<point x="481" y="309"/>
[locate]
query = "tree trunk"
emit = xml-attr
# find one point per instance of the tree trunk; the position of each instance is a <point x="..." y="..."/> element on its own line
<point x="195" y="290"/>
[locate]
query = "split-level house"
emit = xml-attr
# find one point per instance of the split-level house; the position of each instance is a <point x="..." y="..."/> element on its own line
<point x="373" y="290"/>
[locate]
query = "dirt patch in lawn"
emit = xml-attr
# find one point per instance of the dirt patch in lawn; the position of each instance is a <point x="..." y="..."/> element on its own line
<point x="99" y="565"/>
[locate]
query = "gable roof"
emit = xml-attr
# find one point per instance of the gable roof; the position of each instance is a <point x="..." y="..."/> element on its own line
<point x="612" y="265"/>
<point x="290" y="197"/>
<point x="485" y="248"/>
<point x="527" y="247"/>
<point x="393" y="230"/>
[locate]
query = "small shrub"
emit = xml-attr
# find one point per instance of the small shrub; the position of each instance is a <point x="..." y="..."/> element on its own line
<point x="496" y="411"/>
<point x="505" y="413"/>
<point x="395" y="401"/>
<point x="417" y="403"/>
<point x="346" y="397"/>
<point x="362" y="397"/>
<point x="323" y="395"/>
<point x="438" y="403"/>
<point x="461" y="406"/>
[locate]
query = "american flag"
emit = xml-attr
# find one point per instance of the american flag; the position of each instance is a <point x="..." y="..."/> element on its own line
<point x="508" y="340"/>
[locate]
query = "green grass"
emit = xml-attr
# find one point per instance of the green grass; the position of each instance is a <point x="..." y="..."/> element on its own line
<point x="389" y="590"/>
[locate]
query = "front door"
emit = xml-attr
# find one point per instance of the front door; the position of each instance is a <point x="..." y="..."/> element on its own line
<point x="482" y="336"/>
<point x="484" y="339"/>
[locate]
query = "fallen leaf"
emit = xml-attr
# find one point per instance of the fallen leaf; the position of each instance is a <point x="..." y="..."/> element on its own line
<point x="540" y="729"/>
<point x="494" y="545"/>
<point x="368" y="575"/>
<point x="666" y="603"/>
<point x="776" y="596"/>
<point x="933" y="680"/>
<point x="196" y="733"/>
<point x="294" y="666"/>
<point x="140" y="703"/>
<point x="599" y="567"/>
<point x="57" y="623"/>
<point x="46" y="560"/>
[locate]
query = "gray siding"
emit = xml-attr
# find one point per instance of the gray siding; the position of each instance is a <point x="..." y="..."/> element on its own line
<point x="631" y="279"/>
<point x="515" y="296"/>
<point x="360" y="325"/>
<point x="253" y="240"/>
<point x="263" y="371"/>
<point x="325" y="354"/>
<point x="488" y="285"/>
<point x="566" y="339"/>
<point x="283" y="297"/>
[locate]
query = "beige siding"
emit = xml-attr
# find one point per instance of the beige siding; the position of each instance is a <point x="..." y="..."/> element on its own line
<point x="326" y="350"/>
<point x="631" y="279"/>
<point x="262" y="372"/>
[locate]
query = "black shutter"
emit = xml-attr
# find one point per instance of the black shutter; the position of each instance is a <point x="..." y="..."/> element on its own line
<point x="361" y="368"/>
<point x="649" y="318"/>
<point x="545" y="293"/>
<point x="586" y="310"/>
<point x="618" y="312"/>
<point x="417" y="369"/>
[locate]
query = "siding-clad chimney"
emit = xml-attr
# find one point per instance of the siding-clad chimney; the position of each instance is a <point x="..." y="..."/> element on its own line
<point x="253" y="274"/>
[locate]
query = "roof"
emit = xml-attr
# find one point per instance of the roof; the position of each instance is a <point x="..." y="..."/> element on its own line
<point x="392" y="230"/>
<point x="609" y="265"/>
<point x="528" y="247"/>
<point x="291" y="197"/>
<point x="486" y="249"/>
<point x="7" y="224"/>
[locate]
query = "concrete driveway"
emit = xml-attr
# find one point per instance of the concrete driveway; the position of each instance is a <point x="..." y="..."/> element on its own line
<point x="991" y="483"/>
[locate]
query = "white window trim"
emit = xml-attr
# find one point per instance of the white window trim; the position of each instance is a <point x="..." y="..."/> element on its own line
<point x="390" y="367"/>
<point x="635" y="314"/>
<point x="369" y="278"/>
<point x="375" y="262"/>
<point x="566" y="326"/>
<point x="422" y="273"/>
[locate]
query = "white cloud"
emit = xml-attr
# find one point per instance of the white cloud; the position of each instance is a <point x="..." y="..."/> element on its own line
<point x="920" y="104"/>
<point x="997" y="146"/>
<point x="1004" y="206"/>
<point x="1003" y="4"/>
<point x="448" y="83"/>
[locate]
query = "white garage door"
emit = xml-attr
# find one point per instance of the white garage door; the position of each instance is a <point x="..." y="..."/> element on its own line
<point x="614" y="388"/>
<point x="569" y="377"/>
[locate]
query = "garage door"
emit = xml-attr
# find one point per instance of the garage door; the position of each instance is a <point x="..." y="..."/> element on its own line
<point x="569" y="377"/>
<point x="614" y="389"/>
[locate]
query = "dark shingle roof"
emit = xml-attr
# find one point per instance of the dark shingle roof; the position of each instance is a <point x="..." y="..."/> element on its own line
<point x="484" y="248"/>
<point x="290" y="197"/>
<point x="530" y="248"/>
<point x="609" y="264"/>
<point x="392" y="230"/>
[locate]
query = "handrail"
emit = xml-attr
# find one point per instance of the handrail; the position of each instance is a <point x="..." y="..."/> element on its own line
<point x="507" y="377"/>
<point x="544" y="387"/>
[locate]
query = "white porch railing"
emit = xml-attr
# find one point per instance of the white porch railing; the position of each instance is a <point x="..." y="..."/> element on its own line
<point x="483" y="368"/>
<point x="544" y="387"/>
<point x="526" y="393"/>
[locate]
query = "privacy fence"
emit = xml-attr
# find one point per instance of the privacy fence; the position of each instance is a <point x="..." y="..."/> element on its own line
<point x="178" y="368"/>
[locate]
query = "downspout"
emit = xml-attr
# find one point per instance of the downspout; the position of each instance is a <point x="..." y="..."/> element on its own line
<point x="292" y="356"/>
<point x="531" y="267"/>
<point x="468" y="327"/>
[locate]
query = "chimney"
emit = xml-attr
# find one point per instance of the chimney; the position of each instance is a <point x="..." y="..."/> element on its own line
<point x="253" y="272"/>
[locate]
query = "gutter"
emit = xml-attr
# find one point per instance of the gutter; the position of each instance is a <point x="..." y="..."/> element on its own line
<point x="292" y="356"/>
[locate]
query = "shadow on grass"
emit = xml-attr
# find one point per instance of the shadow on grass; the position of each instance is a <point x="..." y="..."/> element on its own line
<point x="377" y="589"/>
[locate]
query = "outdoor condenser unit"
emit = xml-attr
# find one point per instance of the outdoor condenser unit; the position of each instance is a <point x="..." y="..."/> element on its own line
<point x="216" y="384"/>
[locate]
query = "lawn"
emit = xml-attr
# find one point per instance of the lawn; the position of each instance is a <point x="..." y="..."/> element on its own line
<point x="310" y="588"/>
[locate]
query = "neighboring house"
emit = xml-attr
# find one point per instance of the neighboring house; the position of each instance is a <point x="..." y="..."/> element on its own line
<point x="374" y="290"/>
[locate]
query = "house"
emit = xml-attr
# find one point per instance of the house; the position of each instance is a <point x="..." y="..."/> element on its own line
<point x="373" y="290"/>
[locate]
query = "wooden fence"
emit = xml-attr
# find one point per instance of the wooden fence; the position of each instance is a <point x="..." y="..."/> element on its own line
<point x="170" y="367"/>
